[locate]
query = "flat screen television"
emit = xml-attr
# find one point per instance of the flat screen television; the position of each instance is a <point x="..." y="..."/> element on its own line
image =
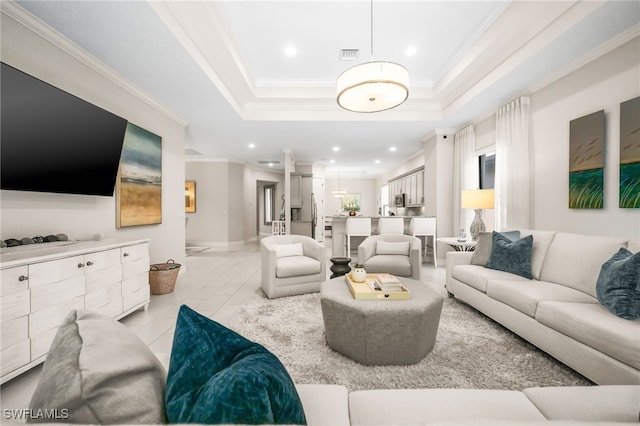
<point x="52" y="141"/>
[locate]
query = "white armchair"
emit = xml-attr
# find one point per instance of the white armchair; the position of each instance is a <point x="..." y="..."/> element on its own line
<point x="292" y="264"/>
<point x="399" y="255"/>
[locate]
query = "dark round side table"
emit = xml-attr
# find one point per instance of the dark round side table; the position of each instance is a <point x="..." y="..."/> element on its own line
<point x="340" y="266"/>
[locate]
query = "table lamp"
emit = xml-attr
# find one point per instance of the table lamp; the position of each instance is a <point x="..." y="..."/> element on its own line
<point x="477" y="199"/>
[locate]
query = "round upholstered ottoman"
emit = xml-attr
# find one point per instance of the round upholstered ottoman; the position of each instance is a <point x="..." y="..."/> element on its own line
<point x="381" y="332"/>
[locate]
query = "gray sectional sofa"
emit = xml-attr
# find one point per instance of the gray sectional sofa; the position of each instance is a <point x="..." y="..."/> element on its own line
<point x="557" y="310"/>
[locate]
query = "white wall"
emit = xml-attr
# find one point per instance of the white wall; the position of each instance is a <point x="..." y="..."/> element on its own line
<point x="209" y="224"/>
<point x="412" y="163"/>
<point x="367" y="189"/>
<point x="602" y="84"/>
<point x="237" y="208"/>
<point x="228" y="195"/>
<point x="25" y="214"/>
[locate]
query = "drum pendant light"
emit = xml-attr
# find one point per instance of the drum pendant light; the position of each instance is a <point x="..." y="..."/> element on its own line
<point x="373" y="86"/>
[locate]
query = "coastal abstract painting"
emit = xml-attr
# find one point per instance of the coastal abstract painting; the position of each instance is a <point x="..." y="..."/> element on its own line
<point x="139" y="184"/>
<point x="586" y="161"/>
<point x="630" y="154"/>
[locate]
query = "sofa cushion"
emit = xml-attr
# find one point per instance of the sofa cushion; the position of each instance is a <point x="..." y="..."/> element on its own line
<point x="101" y="373"/>
<point x="325" y="404"/>
<point x="618" y="285"/>
<point x="511" y="256"/>
<point x="387" y="247"/>
<point x="477" y="276"/>
<point x="541" y="242"/>
<point x="218" y="376"/>
<point x="295" y="266"/>
<point x="393" y="264"/>
<point x="428" y="406"/>
<point x="587" y="404"/>
<point x="595" y="326"/>
<point x="524" y="295"/>
<point x="574" y="260"/>
<point x="483" y="246"/>
<point x="286" y="250"/>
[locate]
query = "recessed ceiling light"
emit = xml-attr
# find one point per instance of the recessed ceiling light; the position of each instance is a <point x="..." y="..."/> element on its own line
<point x="270" y="164"/>
<point x="410" y="51"/>
<point x="335" y="149"/>
<point x="377" y="161"/>
<point x="252" y="145"/>
<point x="393" y="149"/>
<point x="332" y="161"/>
<point x="290" y="51"/>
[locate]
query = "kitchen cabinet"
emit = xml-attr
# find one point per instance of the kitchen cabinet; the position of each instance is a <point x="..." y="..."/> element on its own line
<point x="411" y="189"/>
<point x="40" y="285"/>
<point x="412" y="185"/>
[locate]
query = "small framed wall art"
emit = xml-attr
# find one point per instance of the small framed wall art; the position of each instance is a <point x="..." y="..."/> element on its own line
<point x="190" y="196"/>
<point x="351" y="202"/>
<point x="586" y="161"/>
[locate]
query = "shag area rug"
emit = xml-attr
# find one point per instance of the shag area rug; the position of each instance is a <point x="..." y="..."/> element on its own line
<point x="471" y="351"/>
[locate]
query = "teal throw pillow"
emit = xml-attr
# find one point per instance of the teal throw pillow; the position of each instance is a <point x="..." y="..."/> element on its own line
<point x="618" y="285"/>
<point x="483" y="246"/>
<point x="511" y="256"/>
<point x="216" y="376"/>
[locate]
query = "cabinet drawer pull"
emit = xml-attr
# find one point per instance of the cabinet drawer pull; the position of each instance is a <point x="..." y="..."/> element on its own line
<point x="80" y="265"/>
<point x="23" y="278"/>
<point x="89" y="263"/>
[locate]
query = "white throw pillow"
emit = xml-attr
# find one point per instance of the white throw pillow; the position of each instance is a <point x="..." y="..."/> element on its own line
<point x="386" y="247"/>
<point x="286" y="250"/>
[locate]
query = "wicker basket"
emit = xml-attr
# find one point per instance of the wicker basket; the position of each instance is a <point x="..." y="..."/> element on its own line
<point x="162" y="277"/>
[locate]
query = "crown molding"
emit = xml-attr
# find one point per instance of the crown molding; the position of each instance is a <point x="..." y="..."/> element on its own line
<point x="603" y="49"/>
<point x="35" y="25"/>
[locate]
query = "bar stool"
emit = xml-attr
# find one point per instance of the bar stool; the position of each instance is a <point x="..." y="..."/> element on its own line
<point x="425" y="227"/>
<point x="356" y="227"/>
<point x="390" y="225"/>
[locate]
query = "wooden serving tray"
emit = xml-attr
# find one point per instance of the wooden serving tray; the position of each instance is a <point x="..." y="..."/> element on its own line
<point x="364" y="291"/>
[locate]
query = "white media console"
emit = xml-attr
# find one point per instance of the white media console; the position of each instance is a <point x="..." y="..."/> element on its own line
<point x="40" y="284"/>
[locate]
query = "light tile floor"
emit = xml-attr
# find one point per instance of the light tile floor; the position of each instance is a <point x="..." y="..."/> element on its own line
<point x="214" y="282"/>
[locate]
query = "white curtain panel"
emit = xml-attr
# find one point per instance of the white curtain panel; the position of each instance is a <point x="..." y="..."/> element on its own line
<point x="465" y="175"/>
<point x="512" y="187"/>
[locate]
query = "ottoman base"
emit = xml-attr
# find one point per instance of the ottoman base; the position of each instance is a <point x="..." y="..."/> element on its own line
<point x="386" y="332"/>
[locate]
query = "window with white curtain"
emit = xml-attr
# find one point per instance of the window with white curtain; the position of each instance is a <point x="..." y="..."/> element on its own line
<point x="384" y="200"/>
<point x="269" y="203"/>
<point x="487" y="170"/>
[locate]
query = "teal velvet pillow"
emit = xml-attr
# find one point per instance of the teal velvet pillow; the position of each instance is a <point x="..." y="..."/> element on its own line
<point x="483" y="246"/>
<point x="217" y="376"/>
<point x="618" y="285"/>
<point x="511" y="256"/>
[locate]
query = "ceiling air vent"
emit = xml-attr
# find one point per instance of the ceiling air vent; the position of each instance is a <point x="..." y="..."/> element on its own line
<point x="349" y="54"/>
<point x="269" y="162"/>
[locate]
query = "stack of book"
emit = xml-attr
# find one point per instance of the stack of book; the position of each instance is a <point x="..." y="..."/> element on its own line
<point x="387" y="282"/>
